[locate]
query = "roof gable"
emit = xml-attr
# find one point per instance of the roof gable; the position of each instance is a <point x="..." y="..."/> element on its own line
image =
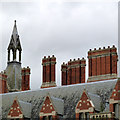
<point x="116" y="91"/>
<point x="85" y="102"/>
<point x="15" y="110"/>
<point x="47" y="106"/>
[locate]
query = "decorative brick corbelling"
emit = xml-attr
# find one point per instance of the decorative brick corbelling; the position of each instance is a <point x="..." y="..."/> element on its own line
<point x="10" y="117"/>
<point x="48" y="84"/>
<point x="91" y="109"/>
<point x="102" y="77"/>
<point x="112" y="101"/>
<point x="47" y="114"/>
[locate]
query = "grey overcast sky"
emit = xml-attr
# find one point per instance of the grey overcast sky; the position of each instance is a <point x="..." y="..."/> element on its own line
<point x="67" y="29"/>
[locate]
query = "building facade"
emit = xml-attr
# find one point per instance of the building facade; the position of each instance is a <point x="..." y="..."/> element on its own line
<point x="98" y="98"/>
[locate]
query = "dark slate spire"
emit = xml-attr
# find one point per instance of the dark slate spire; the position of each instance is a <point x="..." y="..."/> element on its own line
<point x="14" y="44"/>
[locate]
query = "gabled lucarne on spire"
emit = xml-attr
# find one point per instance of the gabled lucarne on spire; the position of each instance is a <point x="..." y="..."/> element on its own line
<point x="14" y="44"/>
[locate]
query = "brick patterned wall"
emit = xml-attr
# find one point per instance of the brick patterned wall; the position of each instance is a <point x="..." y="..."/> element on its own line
<point x="3" y="83"/>
<point x="25" y="79"/>
<point x="102" y="62"/>
<point x="73" y="72"/>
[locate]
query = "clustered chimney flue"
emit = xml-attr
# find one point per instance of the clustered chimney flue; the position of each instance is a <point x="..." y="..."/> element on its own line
<point x="73" y="72"/>
<point x="25" y="78"/>
<point x="3" y="83"/>
<point x="48" y="71"/>
<point x="102" y="64"/>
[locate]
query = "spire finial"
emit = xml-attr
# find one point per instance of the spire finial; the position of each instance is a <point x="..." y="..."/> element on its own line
<point x="15" y="21"/>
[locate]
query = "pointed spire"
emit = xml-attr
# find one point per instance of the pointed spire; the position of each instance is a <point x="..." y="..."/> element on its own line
<point x="15" y="32"/>
<point x="15" y="41"/>
<point x="14" y="44"/>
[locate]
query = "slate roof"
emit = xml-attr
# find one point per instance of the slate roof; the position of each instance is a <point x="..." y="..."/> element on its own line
<point x="71" y="94"/>
<point x="26" y="108"/>
<point x="95" y="100"/>
<point x="59" y="105"/>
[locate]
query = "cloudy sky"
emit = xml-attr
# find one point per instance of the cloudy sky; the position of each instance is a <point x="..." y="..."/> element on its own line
<point x="66" y="29"/>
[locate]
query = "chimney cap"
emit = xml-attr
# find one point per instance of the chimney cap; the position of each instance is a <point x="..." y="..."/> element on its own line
<point x="44" y="56"/>
<point x="113" y="46"/>
<point x="53" y="56"/>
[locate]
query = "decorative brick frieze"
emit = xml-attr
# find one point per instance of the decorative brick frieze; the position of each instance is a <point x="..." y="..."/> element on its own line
<point x="102" y="62"/>
<point x="73" y="72"/>
<point x="102" y="77"/>
<point x="48" y="84"/>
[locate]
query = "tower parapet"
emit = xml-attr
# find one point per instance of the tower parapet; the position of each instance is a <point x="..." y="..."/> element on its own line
<point x="102" y="63"/>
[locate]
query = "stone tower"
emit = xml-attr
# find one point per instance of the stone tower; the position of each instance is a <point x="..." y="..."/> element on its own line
<point x="13" y="70"/>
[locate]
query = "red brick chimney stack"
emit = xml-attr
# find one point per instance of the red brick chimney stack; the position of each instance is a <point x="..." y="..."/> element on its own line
<point x="64" y="73"/>
<point x="73" y="72"/>
<point x="48" y="71"/>
<point x="25" y="79"/>
<point x="83" y="64"/>
<point x="102" y="64"/>
<point x="3" y="83"/>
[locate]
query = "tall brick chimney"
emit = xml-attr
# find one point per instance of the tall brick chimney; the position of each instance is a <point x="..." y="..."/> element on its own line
<point x="48" y="71"/>
<point x="73" y="72"/>
<point x="102" y="64"/>
<point x="3" y="83"/>
<point x="25" y="79"/>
